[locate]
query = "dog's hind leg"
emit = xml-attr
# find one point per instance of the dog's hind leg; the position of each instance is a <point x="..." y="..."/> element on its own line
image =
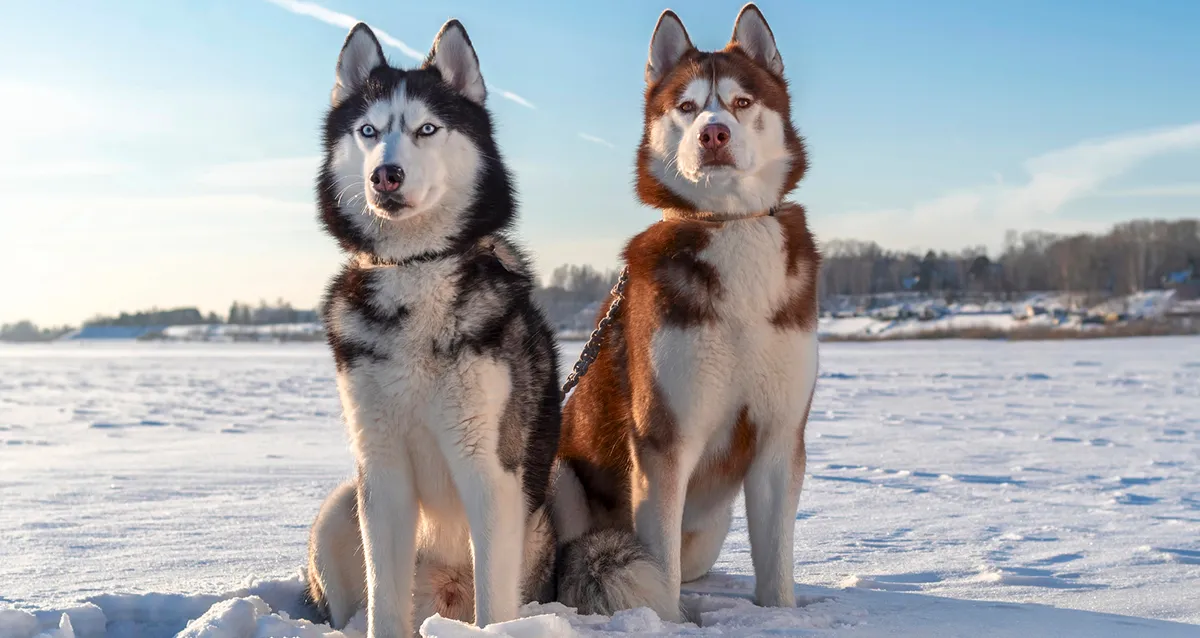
<point x="336" y="573"/>
<point x="702" y="541"/>
<point x="537" y="579"/>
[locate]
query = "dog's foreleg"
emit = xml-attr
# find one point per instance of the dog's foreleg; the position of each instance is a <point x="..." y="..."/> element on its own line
<point x="387" y="508"/>
<point x="776" y="475"/>
<point x="658" y="496"/>
<point x="772" y="496"/>
<point x="491" y="492"/>
<point x="495" y="508"/>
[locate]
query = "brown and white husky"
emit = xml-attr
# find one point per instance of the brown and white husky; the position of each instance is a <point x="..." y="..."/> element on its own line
<point x="704" y="382"/>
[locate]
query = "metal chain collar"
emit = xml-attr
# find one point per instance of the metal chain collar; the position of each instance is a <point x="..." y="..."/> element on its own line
<point x="592" y="348"/>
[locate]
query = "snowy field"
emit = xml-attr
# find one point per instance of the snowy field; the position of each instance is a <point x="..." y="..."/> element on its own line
<point x="144" y="487"/>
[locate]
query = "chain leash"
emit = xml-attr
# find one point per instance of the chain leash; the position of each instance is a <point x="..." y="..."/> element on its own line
<point x="592" y="348"/>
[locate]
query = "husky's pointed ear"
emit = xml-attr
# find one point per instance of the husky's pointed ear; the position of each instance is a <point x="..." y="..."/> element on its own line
<point x="753" y="35"/>
<point x="360" y="55"/>
<point x="667" y="46"/>
<point x="454" y="57"/>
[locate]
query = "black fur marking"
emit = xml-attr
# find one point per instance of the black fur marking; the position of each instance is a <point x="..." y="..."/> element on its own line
<point x="316" y="603"/>
<point x="347" y="352"/>
<point x="353" y="286"/>
<point x="541" y="443"/>
<point x="540" y="583"/>
<point x="484" y="277"/>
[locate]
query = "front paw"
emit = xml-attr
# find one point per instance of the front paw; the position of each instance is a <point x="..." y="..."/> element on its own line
<point x="390" y="630"/>
<point x="777" y="597"/>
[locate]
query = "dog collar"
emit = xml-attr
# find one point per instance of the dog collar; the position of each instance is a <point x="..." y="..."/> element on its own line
<point x="420" y="258"/>
<point x="676" y="214"/>
<point x="435" y="255"/>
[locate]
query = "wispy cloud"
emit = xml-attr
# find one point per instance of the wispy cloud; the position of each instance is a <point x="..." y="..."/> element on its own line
<point x="1068" y="174"/>
<point x="979" y="215"/>
<point x="346" y="21"/>
<point x="509" y="95"/>
<point x="329" y="16"/>
<point x="596" y="140"/>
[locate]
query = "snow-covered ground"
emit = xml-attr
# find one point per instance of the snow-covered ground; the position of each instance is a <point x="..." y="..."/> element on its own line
<point x="950" y="483"/>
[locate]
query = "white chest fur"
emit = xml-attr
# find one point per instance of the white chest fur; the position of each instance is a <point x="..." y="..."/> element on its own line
<point x="741" y="359"/>
<point x="420" y="384"/>
<point x="749" y="258"/>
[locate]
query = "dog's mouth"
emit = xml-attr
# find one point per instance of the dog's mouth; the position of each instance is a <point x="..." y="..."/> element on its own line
<point x="721" y="158"/>
<point x="392" y="205"/>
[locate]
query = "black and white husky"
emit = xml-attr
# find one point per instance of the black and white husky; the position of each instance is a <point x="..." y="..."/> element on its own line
<point x="447" y="370"/>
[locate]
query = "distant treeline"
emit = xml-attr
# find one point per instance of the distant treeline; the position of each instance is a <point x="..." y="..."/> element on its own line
<point x="264" y="314"/>
<point x="573" y="294"/>
<point x="27" y="332"/>
<point x="155" y="317"/>
<point x="1133" y="256"/>
<point x="239" y="314"/>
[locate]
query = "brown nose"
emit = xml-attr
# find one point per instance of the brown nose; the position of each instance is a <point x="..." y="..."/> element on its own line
<point x="387" y="178"/>
<point x="714" y="136"/>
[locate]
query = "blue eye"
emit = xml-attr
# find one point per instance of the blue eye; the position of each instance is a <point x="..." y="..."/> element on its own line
<point x="427" y="129"/>
<point x="366" y="130"/>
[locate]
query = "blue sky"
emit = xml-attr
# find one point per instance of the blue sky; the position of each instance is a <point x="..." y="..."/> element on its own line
<point x="162" y="152"/>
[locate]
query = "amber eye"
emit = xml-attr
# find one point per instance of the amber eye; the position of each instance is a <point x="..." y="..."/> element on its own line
<point x="742" y="103"/>
<point x="687" y="107"/>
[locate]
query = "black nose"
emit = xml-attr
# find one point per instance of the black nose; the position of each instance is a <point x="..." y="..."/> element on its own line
<point x="387" y="178"/>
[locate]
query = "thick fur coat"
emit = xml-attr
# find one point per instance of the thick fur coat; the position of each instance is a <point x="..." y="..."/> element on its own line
<point x="447" y="371"/>
<point x="703" y="385"/>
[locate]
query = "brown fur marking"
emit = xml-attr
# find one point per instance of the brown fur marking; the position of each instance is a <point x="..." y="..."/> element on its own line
<point x="663" y="260"/>
<point x="730" y="466"/>
<point x="803" y="260"/>
<point x="800" y="457"/>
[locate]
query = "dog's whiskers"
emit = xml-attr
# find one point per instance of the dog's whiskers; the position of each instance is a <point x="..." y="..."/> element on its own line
<point x="338" y="197"/>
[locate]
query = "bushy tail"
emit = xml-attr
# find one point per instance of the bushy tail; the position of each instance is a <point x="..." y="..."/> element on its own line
<point x="607" y="570"/>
